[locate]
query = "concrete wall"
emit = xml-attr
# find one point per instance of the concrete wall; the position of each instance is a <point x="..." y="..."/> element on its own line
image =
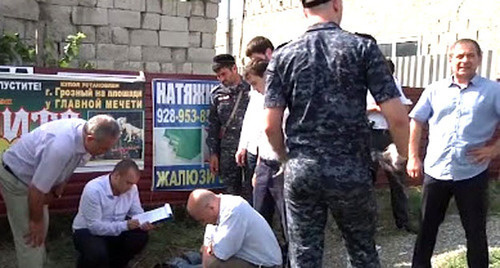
<point x="153" y="35"/>
<point x="434" y="24"/>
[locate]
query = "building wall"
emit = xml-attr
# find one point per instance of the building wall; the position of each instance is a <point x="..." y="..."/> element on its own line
<point x="153" y="35"/>
<point x="434" y="24"/>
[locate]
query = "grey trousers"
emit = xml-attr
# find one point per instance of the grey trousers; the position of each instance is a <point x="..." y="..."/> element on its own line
<point x="15" y="196"/>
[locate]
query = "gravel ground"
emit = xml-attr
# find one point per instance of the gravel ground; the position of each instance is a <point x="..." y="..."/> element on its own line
<point x="397" y="246"/>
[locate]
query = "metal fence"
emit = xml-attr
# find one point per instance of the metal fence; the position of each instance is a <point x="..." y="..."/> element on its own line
<point x="420" y="71"/>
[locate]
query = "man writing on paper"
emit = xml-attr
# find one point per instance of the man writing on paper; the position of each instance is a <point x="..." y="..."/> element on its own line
<point x="238" y="236"/>
<point x="102" y="234"/>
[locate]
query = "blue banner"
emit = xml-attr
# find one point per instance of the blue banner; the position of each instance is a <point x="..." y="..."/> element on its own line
<point x="180" y="154"/>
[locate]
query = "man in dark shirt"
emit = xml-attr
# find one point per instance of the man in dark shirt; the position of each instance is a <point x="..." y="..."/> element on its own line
<point x="322" y="78"/>
<point x="229" y="103"/>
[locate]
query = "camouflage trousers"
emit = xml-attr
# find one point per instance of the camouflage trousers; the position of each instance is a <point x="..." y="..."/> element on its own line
<point x="233" y="176"/>
<point x="313" y="187"/>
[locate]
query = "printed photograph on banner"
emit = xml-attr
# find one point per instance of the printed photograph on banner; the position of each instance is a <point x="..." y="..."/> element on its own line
<point x="131" y="141"/>
<point x="31" y="101"/>
<point x="180" y="146"/>
<point x="180" y="153"/>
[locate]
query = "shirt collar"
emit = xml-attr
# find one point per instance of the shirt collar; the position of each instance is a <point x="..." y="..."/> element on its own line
<point x="323" y="26"/>
<point x="220" y="209"/>
<point x="474" y="81"/>
<point x="107" y="186"/>
<point x="80" y="147"/>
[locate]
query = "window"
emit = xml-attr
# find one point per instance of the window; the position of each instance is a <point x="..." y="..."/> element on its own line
<point x="386" y="49"/>
<point x="406" y="49"/>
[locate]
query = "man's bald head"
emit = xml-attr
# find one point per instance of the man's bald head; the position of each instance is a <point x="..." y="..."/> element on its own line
<point x="203" y="206"/>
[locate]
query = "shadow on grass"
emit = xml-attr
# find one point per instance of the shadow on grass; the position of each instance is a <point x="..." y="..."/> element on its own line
<point x="169" y="239"/>
<point x="172" y="238"/>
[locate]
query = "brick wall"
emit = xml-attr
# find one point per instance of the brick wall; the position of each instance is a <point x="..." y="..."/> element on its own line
<point x="153" y="35"/>
<point x="434" y="24"/>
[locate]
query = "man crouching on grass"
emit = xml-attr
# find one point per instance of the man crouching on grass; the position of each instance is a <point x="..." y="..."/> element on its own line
<point x="237" y="236"/>
<point x="102" y="234"/>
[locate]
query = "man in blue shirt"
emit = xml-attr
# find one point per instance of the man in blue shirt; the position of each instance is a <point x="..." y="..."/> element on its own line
<point x="462" y="112"/>
<point x="34" y="171"/>
<point x="102" y="233"/>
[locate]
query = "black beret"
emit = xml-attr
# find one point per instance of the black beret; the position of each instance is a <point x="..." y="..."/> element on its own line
<point x="313" y="3"/>
<point x="224" y="58"/>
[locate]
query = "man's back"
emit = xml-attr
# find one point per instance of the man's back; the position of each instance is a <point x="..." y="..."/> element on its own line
<point x="245" y="232"/>
<point x="325" y="74"/>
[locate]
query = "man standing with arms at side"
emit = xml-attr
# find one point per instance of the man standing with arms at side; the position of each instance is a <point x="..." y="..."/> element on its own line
<point x="229" y="103"/>
<point x="322" y="78"/>
<point x="463" y="112"/>
<point x="258" y="48"/>
<point x="102" y="234"/>
<point x="34" y="171"/>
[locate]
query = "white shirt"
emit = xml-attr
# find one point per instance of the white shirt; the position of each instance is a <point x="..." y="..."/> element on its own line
<point x="378" y="118"/>
<point x="48" y="155"/>
<point x="243" y="233"/>
<point x="104" y="213"/>
<point x="254" y="118"/>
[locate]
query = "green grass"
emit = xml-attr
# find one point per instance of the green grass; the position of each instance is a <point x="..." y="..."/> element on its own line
<point x="172" y="238"/>
<point x="458" y="259"/>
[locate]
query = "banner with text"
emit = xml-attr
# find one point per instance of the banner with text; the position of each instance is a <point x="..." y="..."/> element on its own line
<point x="180" y="154"/>
<point x="28" y="101"/>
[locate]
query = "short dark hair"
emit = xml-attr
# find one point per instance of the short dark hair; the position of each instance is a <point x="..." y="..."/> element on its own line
<point x="467" y="41"/>
<point x="390" y="65"/>
<point x="223" y="61"/>
<point x="258" y="44"/>
<point x="256" y="67"/>
<point x="123" y="166"/>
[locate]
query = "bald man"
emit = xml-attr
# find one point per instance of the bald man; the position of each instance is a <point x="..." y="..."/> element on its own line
<point x="238" y="236"/>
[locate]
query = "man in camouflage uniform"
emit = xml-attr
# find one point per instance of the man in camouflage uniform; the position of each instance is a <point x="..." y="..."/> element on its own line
<point x="322" y="78"/>
<point x="229" y="103"/>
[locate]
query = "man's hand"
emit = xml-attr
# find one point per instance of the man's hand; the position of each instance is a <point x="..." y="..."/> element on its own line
<point x="147" y="226"/>
<point x="36" y="235"/>
<point x="254" y="180"/>
<point x="241" y="157"/>
<point x="214" y="164"/>
<point x="414" y="167"/>
<point x="133" y="224"/>
<point x="484" y="154"/>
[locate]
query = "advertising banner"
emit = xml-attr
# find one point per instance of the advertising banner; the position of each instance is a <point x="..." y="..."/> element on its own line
<point x="180" y="154"/>
<point x="27" y="101"/>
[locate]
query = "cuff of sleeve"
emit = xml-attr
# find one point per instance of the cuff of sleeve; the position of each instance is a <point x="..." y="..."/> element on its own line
<point x="123" y="226"/>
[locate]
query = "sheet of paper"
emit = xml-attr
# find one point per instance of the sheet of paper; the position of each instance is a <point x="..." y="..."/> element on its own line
<point x="161" y="213"/>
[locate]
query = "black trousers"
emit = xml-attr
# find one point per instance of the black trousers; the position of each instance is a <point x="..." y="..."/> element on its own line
<point x="380" y="139"/>
<point x="108" y="251"/>
<point x="471" y="197"/>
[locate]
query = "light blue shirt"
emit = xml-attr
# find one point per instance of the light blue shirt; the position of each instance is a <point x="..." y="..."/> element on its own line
<point x="48" y="155"/>
<point x="243" y="233"/>
<point x="459" y="120"/>
<point x="104" y="213"/>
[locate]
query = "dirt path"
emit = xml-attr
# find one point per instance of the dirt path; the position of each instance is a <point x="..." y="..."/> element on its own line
<point x="397" y="246"/>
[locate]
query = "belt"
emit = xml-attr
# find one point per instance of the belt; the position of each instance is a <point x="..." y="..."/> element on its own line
<point x="271" y="163"/>
<point x="6" y="167"/>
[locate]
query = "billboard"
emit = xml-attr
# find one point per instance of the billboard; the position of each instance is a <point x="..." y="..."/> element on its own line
<point x="28" y="101"/>
<point x="180" y="154"/>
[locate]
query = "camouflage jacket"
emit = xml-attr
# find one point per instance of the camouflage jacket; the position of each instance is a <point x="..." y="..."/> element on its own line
<point x="323" y="78"/>
<point x="223" y="101"/>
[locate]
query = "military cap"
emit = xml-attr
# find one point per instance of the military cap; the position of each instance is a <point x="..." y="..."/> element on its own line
<point x="224" y="58"/>
<point x="313" y="3"/>
<point x="223" y="61"/>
